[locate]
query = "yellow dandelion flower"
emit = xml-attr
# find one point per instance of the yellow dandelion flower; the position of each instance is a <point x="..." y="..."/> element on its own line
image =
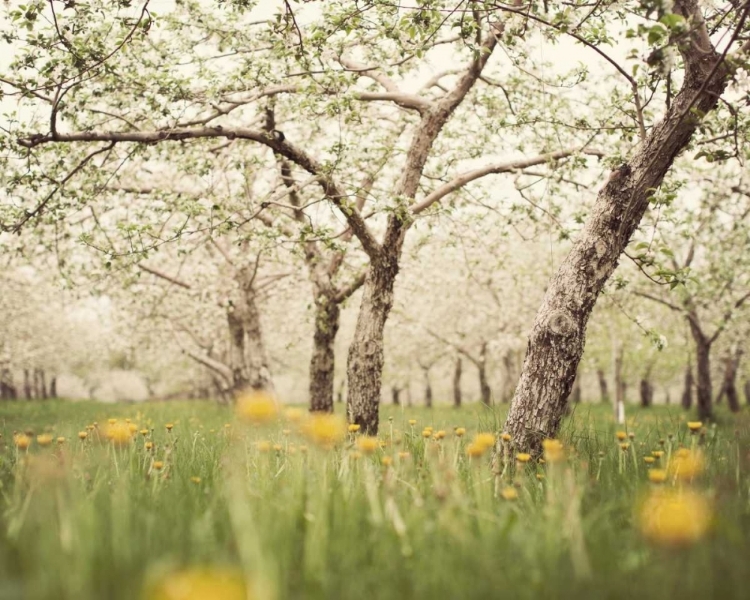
<point x="144" y="432"/>
<point x="403" y="455"/>
<point x="61" y="440"/>
<point x="487" y="440"/>
<point x="657" y="475"/>
<point x="195" y="479"/>
<point x="695" y="426"/>
<point x="256" y="407"/>
<point x="412" y="422"/>
<point x="133" y="428"/>
<point x="621" y="436"/>
<point x="386" y="461"/>
<point x="475" y="450"/>
<point x="506" y="437"/>
<point x="118" y="434"/>
<point x="553" y="451"/>
<point x="509" y="493"/>
<point x="368" y="444"/>
<point x="169" y="426"/>
<point x="649" y="460"/>
<point x="353" y="427"/>
<point x="158" y="465"/>
<point x="631" y="435"/>
<point x="110" y="421"/>
<point x="277" y="447"/>
<point x="624" y="446"/>
<point x="674" y="518"/>
<point x="540" y="476"/>
<point x="263" y="446"/>
<point x="200" y="583"/>
<point x="440" y="435"/>
<point x="44" y="439"/>
<point x="82" y="435"/>
<point x="460" y="431"/>
<point x="149" y="445"/>
<point x="427" y="433"/>
<point x="90" y="427"/>
<point x="686" y="464"/>
<point x="326" y="429"/>
<point x="657" y="454"/>
<point x="523" y="457"/>
<point x="22" y="441"/>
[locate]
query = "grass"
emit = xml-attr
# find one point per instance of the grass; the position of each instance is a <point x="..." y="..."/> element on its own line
<point x="88" y="519"/>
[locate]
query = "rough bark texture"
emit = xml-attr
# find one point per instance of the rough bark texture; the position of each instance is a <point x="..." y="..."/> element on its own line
<point x="558" y="334"/>
<point x="746" y="388"/>
<point x="237" y="351"/>
<point x="647" y="393"/>
<point x="365" y="360"/>
<point x="457" y="372"/>
<point x="729" y="383"/>
<point x="327" y="313"/>
<point x="687" y="391"/>
<point x="395" y="395"/>
<point x="484" y="386"/>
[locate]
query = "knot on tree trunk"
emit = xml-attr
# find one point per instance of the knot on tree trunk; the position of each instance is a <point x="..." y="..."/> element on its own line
<point x="561" y="323"/>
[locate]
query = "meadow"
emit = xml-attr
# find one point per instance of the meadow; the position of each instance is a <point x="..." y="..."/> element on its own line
<point x="189" y="500"/>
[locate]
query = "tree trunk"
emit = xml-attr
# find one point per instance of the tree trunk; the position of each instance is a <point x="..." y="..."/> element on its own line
<point x="647" y="393"/>
<point x="603" y="391"/>
<point x="237" y="351"/>
<point x="340" y="392"/>
<point x="575" y="395"/>
<point x="53" y="387"/>
<point x="27" y="391"/>
<point x="729" y="385"/>
<point x="747" y="391"/>
<point x="396" y="395"/>
<point x="457" y="372"/>
<point x="557" y="338"/>
<point x="687" y="392"/>
<point x="43" y="384"/>
<point x="703" y="368"/>
<point x="484" y="386"/>
<point x="427" y="388"/>
<point x="365" y="360"/>
<point x="619" y="405"/>
<point x="327" y="313"/>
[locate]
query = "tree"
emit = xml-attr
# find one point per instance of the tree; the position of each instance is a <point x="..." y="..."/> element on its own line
<point x="556" y="341"/>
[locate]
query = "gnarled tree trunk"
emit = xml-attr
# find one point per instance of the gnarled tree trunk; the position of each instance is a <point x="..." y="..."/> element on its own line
<point x="557" y="338"/>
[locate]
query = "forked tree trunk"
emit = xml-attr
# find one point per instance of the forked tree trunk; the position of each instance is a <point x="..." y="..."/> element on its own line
<point x="687" y="391"/>
<point x="327" y="313"/>
<point x="559" y="331"/>
<point x="603" y="391"/>
<point x="457" y="372"/>
<point x="365" y="360"/>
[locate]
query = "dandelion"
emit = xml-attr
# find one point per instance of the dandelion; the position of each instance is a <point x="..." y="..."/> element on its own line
<point x="523" y="457"/>
<point x="110" y="421"/>
<point x="169" y="426"/>
<point x="486" y="439"/>
<point x="631" y="435"/>
<point x="118" y="434"/>
<point x="22" y="441"/>
<point x="200" y="583"/>
<point x="61" y="440"/>
<point x="195" y="479"/>
<point x="427" y="433"/>
<point x="294" y="414"/>
<point x="44" y="439"/>
<point x="368" y="444"/>
<point x="149" y="445"/>
<point x="624" y="446"/>
<point x="621" y="436"/>
<point x="657" y="454"/>
<point x="386" y="461"/>
<point x="540" y="476"/>
<point x="695" y="426"/>
<point x="133" y="428"/>
<point x="509" y="493"/>
<point x="256" y="407"/>
<point x="277" y="447"/>
<point x="440" y="435"/>
<point x="412" y="422"/>
<point x="158" y="465"/>
<point x="475" y="450"/>
<point x="353" y="427"/>
<point x="553" y="451"/>
<point x="263" y="446"/>
<point x="82" y="435"/>
<point x="460" y="431"/>
<point x="506" y="437"/>
<point x="674" y="518"/>
<point x="403" y="455"/>
<point x="325" y="429"/>
<point x="144" y="432"/>
<point x="649" y="460"/>
<point x="657" y="475"/>
<point x="686" y="464"/>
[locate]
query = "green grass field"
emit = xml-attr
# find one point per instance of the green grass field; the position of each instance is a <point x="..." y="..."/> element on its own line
<point x="222" y="508"/>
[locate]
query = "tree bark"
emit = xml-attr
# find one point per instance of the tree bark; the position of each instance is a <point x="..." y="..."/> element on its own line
<point x="647" y="393"/>
<point x="484" y="386"/>
<point x="365" y="361"/>
<point x="619" y="405"/>
<point x="729" y="385"/>
<point x="53" y="387"/>
<point x="395" y="395"/>
<point x="237" y="364"/>
<point x="746" y="388"/>
<point x="603" y="391"/>
<point x="457" y="372"/>
<point x="327" y="313"/>
<point x="687" y="392"/>
<point x="557" y="338"/>
<point x="704" y="394"/>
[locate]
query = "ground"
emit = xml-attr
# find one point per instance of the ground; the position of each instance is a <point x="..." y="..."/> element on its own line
<point x="258" y="503"/>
